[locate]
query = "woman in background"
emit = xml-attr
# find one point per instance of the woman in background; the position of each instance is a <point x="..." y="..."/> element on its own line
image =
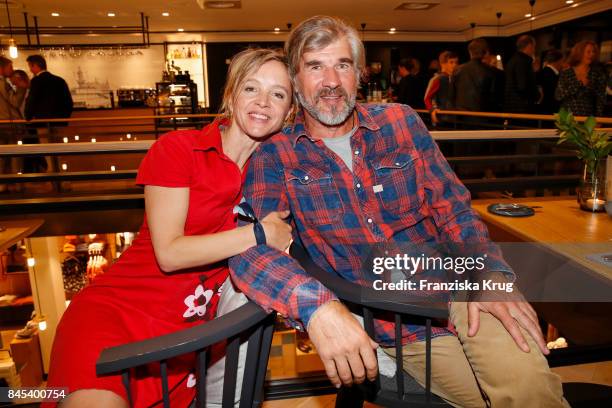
<point x="582" y="87"/>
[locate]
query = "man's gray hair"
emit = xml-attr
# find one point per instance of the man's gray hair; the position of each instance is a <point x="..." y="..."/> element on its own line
<point x="317" y="33"/>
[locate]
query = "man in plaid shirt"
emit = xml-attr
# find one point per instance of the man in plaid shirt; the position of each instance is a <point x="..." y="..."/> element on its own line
<point x="357" y="175"/>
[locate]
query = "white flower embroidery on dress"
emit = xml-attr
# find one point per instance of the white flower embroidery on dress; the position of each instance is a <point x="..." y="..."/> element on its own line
<point x="191" y="381"/>
<point x="196" y="303"/>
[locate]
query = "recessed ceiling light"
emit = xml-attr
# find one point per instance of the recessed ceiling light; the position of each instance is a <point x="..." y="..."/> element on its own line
<point x="392" y="29"/>
<point x="575" y="5"/>
<point x="532" y="18"/>
<point x="416" y="6"/>
<point x="55" y="14"/>
<point x="276" y="29"/>
<point x="166" y="14"/>
<point x="222" y="4"/>
<point x="181" y="30"/>
<point x="111" y="14"/>
<point x="528" y="15"/>
<point x="569" y="1"/>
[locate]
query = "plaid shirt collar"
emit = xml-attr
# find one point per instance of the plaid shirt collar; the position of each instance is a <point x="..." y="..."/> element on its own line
<point x="298" y="130"/>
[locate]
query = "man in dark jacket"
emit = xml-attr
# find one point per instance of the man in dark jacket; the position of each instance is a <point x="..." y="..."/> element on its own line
<point x="473" y="85"/>
<point x="548" y="78"/>
<point x="521" y="87"/>
<point x="49" y="98"/>
<point x="49" y="94"/>
<point x="411" y="89"/>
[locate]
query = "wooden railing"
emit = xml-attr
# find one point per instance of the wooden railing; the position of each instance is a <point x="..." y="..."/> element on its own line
<point x="496" y="115"/>
<point x="519" y="116"/>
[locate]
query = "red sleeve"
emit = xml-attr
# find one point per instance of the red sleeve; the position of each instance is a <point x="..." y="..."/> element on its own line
<point x="432" y="89"/>
<point x="168" y="162"/>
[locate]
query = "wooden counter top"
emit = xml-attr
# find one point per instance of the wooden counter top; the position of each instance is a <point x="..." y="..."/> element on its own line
<point x="17" y="230"/>
<point x="560" y="225"/>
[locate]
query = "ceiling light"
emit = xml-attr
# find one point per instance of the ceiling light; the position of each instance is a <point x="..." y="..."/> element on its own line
<point x="532" y="18"/>
<point x="392" y="29"/>
<point x="55" y="14"/>
<point x="575" y="5"/>
<point x="13" y="53"/>
<point x="528" y="15"/>
<point x="220" y="4"/>
<point x="276" y="29"/>
<point x="11" y="42"/>
<point x="111" y="14"/>
<point x="569" y="1"/>
<point x="180" y="30"/>
<point x="416" y="6"/>
<point x="166" y="14"/>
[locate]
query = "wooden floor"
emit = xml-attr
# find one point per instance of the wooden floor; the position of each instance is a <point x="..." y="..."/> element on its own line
<point x="323" y="401"/>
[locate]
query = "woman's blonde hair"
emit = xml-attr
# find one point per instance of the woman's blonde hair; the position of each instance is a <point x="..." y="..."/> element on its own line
<point x="244" y="64"/>
<point x="578" y="50"/>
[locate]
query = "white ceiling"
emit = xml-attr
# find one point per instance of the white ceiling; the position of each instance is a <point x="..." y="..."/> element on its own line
<point x="449" y="19"/>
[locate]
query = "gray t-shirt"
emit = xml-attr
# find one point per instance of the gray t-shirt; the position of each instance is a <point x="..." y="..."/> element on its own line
<point x="341" y="145"/>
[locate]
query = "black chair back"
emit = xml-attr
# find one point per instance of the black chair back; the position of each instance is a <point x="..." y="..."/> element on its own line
<point x="367" y="302"/>
<point x="249" y="321"/>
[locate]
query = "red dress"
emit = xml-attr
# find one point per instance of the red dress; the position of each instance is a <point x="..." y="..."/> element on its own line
<point x="135" y="299"/>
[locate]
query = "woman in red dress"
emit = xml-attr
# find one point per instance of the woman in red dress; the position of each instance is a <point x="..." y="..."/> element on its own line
<point x="169" y="278"/>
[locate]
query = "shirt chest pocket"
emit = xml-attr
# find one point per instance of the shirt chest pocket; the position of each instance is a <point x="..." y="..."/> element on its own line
<point x="315" y="192"/>
<point x="396" y="182"/>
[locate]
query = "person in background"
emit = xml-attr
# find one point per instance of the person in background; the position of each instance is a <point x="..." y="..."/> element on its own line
<point x="11" y="95"/>
<point x="418" y="84"/>
<point x="171" y="276"/>
<point x="11" y="98"/>
<point x="473" y="85"/>
<point x="436" y="94"/>
<point x="21" y="80"/>
<point x="582" y="87"/>
<point x="29" y="164"/>
<point x="521" y="90"/>
<point x="49" y="96"/>
<point x="500" y="80"/>
<point x="403" y="87"/>
<point x="412" y="86"/>
<point x="548" y="78"/>
<point x="434" y="68"/>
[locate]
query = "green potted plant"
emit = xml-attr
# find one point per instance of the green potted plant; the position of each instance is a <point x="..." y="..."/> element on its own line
<point x="592" y="147"/>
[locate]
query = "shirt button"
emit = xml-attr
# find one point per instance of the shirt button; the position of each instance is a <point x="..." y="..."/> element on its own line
<point x="358" y="185"/>
<point x="356" y="152"/>
<point x="369" y="220"/>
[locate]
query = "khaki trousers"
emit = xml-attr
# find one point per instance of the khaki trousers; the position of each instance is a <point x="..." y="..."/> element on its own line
<point x="487" y="370"/>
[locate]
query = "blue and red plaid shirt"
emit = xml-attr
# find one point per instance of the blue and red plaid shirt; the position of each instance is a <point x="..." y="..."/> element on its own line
<point x="401" y="190"/>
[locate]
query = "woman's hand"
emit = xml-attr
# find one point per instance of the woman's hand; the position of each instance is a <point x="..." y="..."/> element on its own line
<point x="277" y="229"/>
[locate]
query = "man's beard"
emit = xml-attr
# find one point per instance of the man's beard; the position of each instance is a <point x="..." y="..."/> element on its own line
<point x="335" y="117"/>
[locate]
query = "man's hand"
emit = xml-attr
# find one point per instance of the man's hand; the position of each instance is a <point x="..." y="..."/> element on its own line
<point x="513" y="311"/>
<point x="344" y="347"/>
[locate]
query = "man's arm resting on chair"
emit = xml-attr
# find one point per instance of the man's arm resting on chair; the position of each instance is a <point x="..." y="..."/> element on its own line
<point x="276" y="281"/>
